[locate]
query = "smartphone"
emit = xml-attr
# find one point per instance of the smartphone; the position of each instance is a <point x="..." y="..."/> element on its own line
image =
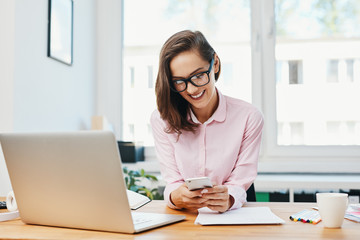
<point x="198" y="183"/>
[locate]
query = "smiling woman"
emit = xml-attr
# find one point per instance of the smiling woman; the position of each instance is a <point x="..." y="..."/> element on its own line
<point x="142" y="42"/>
<point x="198" y="131"/>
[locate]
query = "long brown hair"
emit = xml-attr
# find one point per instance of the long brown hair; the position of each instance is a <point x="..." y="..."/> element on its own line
<point x="172" y="106"/>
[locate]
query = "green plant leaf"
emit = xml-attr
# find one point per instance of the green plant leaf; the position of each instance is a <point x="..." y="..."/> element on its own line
<point x="132" y="179"/>
<point x="147" y="192"/>
<point x="151" y="177"/>
<point x="136" y="174"/>
<point x="127" y="181"/>
<point x="134" y="188"/>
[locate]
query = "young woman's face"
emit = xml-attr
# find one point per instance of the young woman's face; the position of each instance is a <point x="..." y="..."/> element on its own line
<point x="187" y="64"/>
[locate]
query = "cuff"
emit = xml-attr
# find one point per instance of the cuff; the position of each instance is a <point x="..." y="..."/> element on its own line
<point x="168" y="189"/>
<point x="239" y="195"/>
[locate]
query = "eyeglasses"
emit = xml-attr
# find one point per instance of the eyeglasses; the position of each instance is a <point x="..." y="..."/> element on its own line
<point x="198" y="80"/>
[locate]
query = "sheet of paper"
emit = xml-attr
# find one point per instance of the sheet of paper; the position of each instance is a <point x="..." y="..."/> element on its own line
<point x="244" y="215"/>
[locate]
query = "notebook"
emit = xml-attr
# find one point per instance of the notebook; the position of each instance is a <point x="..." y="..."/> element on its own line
<point x="136" y="200"/>
<point x="75" y="180"/>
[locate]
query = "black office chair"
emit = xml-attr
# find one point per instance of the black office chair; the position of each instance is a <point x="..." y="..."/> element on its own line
<point x="251" y="196"/>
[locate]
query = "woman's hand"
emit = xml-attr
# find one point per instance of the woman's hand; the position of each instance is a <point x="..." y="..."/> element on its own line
<point x="218" y="198"/>
<point x="184" y="198"/>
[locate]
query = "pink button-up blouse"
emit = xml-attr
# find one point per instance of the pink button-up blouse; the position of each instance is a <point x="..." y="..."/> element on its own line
<point x="225" y="148"/>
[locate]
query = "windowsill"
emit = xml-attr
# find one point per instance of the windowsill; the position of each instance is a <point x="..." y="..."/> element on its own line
<point x="306" y="181"/>
<point x="292" y="182"/>
<point x="280" y="164"/>
<point x="276" y="181"/>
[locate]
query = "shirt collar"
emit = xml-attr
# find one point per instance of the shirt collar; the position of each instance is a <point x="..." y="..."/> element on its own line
<point x="219" y="115"/>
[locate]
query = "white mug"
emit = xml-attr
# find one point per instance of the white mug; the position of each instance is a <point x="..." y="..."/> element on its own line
<point x="332" y="208"/>
<point x="12" y="207"/>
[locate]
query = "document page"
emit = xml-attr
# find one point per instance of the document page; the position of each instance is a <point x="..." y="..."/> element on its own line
<point x="244" y="215"/>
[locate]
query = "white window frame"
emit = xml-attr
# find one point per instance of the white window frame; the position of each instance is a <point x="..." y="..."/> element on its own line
<point x="275" y="158"/>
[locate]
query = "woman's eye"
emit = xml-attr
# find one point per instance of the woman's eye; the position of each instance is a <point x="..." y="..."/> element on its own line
<point x="198" y="76"/>
<point x="178" y="82"/>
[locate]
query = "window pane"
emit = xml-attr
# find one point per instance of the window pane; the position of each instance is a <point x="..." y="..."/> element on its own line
<point x="147" y="25"/>
<point x="317" y="65"/>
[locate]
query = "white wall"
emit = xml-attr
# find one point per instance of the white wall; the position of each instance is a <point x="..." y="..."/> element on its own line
<point x="50" y="95"/>
<point x="7" y="20"/>
<point x="109" y="62"/>
<point x="38" y="93"/>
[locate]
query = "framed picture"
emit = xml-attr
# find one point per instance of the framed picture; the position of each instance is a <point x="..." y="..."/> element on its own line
<point x="60" y="31"/>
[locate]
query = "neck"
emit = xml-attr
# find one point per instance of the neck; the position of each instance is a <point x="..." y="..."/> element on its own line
<point x="203" y="114"/>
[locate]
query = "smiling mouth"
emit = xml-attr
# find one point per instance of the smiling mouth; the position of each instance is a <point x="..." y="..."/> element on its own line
<point x="198" y="95"/>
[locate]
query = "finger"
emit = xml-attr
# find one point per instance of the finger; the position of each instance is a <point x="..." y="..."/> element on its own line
<point x="195" y="205"/>
<point x="217" y="202"/>
<point x="220" y="188"/>
<point x="216" y="189"/>
<point x="192" y="194"/>
<point x="220" y="206"/>
<point x="220" y="209"/>
<point x="218" y="196"/>
<point x="189" y="201"/>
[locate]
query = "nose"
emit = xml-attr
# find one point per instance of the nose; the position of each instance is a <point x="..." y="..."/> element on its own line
<point x="191" y="89"/>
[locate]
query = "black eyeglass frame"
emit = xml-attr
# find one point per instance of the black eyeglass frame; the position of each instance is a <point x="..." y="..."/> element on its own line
<point x="186" y="80"/>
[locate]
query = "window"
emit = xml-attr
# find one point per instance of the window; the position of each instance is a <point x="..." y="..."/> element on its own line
<point x="296" y="60"/>
<point x="151" y="83"/>
<point x="310" y="33"/>
<point x="289" y="72"/>
<point x="332" y="71"/>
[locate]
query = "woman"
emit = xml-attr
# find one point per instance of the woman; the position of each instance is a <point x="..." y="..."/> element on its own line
<point x="200" y="132"/>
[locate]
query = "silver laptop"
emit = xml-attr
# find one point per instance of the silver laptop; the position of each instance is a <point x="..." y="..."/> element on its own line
<point x="75" y="180"/>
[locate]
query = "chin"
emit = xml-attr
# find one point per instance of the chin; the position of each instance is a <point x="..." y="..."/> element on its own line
<point x="198" y="105"/>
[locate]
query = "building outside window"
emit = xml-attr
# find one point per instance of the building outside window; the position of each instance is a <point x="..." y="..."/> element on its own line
<point x="315" y="45"/>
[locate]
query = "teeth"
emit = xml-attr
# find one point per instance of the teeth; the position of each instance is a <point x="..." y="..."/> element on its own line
<point x="197" y="96"/>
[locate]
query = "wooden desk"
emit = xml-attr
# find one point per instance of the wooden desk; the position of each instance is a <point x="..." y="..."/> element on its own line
<point x="186" y="229"/>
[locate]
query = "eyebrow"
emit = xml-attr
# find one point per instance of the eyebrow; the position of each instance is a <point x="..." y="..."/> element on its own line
<point x="191" y="74"/>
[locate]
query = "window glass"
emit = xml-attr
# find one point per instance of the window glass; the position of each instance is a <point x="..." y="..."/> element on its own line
<point x="148" y="24"/>
<point x="317" y="72"/>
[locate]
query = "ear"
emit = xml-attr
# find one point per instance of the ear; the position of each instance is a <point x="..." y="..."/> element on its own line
<point x="216" y="63"/>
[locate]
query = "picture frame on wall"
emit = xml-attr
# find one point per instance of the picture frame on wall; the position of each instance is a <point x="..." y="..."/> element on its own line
<point x="60" y="31"/>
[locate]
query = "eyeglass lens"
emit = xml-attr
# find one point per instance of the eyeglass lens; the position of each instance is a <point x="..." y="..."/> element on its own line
<point x="197" y="80"/>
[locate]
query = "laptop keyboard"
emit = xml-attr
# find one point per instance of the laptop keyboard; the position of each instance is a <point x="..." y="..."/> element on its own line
<point x="144" y="220"/>
<point x="140" y="218"/>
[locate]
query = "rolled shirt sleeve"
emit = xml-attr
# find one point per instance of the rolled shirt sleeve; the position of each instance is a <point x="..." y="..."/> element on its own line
<point x="245" y="170"/>
<point x="165" y="154"/>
